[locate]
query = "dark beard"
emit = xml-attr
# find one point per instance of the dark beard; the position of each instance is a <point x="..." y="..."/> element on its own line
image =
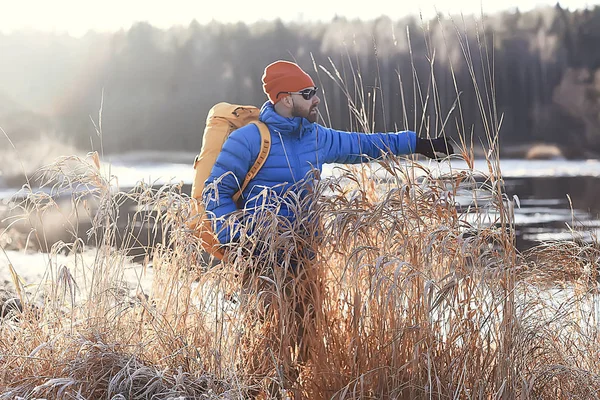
<point x="309" y="115"/>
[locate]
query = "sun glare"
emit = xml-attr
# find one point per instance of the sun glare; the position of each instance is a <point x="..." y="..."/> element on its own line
<point x="78" y="17"/>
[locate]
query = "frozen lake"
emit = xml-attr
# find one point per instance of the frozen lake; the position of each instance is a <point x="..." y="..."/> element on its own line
<point x="542" y="186"/>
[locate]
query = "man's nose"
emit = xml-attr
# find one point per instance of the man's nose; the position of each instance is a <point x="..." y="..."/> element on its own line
<point x="316" y="100"/>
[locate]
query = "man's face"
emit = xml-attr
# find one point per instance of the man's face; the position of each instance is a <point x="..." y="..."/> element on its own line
<point x="306" y="108"/>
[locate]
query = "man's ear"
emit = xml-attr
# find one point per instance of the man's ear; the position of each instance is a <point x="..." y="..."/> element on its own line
<point x="288" y="101"/>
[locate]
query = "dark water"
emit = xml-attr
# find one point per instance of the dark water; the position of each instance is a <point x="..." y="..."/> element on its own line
<point x="550" y="206"/>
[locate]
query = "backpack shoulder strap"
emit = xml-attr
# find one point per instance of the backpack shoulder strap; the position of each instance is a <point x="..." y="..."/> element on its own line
<point x="265" y="148"/>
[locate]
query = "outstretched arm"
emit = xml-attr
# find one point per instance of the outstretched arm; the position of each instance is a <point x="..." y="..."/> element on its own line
<point x="352" y="147"/>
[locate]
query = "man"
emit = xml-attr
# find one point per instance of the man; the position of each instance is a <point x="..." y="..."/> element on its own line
<point x="286" y="305"/>
<point x="299" y="145"/>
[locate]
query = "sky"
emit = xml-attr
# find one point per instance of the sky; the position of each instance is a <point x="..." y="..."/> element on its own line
<point x="76" y="17"/>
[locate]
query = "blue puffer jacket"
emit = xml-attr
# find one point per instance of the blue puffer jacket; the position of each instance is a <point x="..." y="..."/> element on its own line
<point x="297" y="147"/>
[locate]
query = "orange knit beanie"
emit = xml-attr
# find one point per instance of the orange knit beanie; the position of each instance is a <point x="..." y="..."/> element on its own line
<point x="284" y="76"/>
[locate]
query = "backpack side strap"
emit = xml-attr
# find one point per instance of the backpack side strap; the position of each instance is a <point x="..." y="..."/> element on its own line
<point x="265" y="148"/>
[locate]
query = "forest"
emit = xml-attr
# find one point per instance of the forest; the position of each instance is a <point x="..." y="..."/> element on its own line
<point x="151" y="89"/>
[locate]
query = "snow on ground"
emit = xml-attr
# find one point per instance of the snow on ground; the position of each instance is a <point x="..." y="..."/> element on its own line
<point x="36" y="268"/>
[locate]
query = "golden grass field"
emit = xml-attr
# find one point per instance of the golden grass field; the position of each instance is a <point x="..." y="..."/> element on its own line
<point x="397" y="294"/>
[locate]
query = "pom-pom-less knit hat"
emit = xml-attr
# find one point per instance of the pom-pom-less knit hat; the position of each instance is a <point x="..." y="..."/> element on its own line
<point x="284" y="76"/>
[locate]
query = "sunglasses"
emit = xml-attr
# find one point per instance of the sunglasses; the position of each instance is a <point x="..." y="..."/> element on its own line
<point x="307" y="94"/>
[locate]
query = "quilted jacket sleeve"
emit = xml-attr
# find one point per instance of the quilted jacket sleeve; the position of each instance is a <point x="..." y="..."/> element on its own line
<point x="226" y="178"/>
<point x="352" y="148"/>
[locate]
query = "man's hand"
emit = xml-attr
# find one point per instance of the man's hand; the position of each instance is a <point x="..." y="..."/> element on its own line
<point x="429" y="147"/>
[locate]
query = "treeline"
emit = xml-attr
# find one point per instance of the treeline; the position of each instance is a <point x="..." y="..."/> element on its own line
<point x="153" y="88"/>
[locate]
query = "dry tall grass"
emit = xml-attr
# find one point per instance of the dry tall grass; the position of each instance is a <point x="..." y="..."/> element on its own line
<point x="396" y="292"/>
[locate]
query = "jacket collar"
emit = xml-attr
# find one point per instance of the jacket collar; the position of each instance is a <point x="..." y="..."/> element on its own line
<point x="295" y="126"/>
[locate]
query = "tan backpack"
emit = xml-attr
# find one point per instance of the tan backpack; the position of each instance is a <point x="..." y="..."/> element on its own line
<point x="222" y="119"/>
